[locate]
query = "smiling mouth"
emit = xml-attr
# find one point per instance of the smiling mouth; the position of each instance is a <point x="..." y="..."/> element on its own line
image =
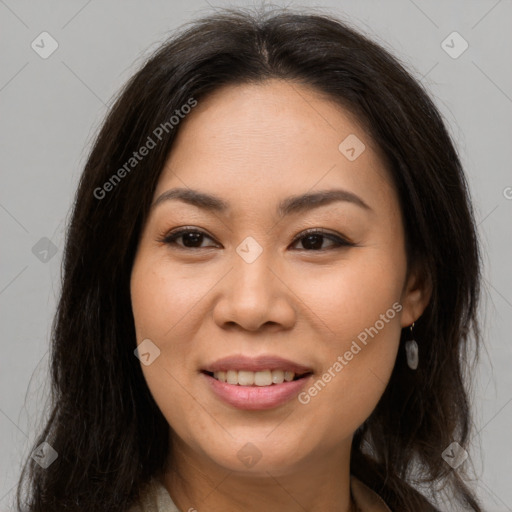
<point x="256" y="379"/>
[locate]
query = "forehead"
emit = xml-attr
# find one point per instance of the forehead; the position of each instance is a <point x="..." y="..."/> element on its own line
<point x="273" y="138"/>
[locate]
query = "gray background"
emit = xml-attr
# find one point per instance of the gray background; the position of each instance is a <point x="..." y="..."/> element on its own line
<point x="51" y="108"/>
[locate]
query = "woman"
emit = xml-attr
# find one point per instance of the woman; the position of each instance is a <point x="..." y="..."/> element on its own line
<point x="270" y="285"/>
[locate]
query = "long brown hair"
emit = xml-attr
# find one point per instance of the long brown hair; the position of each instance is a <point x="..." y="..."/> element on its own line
<point x="110" y="436"/>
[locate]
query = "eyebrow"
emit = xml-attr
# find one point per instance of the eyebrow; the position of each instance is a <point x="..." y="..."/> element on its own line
<point x="290" y="205"/>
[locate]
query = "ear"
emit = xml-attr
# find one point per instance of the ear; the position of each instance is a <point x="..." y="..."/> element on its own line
<point x="416" y="295"/>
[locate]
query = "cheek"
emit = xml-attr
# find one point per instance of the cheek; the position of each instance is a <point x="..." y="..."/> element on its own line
<point x="162" y="295"/>
<point x="357" y="362"/>
<point x="162" y="307"/>
<point x="160" y="303"/>
<point x="355" y="293"/>
<point x="359" y="310"/>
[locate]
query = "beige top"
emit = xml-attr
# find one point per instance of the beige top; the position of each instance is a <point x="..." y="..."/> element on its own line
<point x="158" y="499"/>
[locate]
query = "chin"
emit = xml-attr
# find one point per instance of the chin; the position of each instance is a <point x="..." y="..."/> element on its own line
<point x="256" y="455"/>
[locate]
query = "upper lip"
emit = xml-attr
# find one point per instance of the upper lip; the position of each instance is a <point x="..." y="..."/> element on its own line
<point x="256" y="364"/>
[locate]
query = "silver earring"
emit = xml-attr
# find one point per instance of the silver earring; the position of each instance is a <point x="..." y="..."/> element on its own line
<point x="411" y="350"/>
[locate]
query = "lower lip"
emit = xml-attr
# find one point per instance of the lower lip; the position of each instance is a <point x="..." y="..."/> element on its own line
<point x="256" y="398"/>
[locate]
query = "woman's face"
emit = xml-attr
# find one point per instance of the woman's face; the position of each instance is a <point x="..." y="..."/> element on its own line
<point x="249" y="282"/>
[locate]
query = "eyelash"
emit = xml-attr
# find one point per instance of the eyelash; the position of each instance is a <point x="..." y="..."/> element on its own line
<point x="170" y="239"/>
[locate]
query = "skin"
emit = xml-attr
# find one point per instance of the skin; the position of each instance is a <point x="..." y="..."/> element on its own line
<point x="254" y="145"/>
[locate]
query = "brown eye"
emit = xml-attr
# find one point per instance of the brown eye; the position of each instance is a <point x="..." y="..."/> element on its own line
<point x="314" y="239"/>
<point x="191" y="238"/>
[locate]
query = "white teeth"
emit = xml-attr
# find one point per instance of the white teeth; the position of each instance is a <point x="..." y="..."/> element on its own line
<point x="261" y="378"/>
<point x="277" y="376"/>
<point x="220" y="376"/>
<point x="245" y="378"/>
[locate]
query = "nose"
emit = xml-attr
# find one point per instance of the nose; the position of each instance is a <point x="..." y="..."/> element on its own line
<point x="255" y="294"/>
